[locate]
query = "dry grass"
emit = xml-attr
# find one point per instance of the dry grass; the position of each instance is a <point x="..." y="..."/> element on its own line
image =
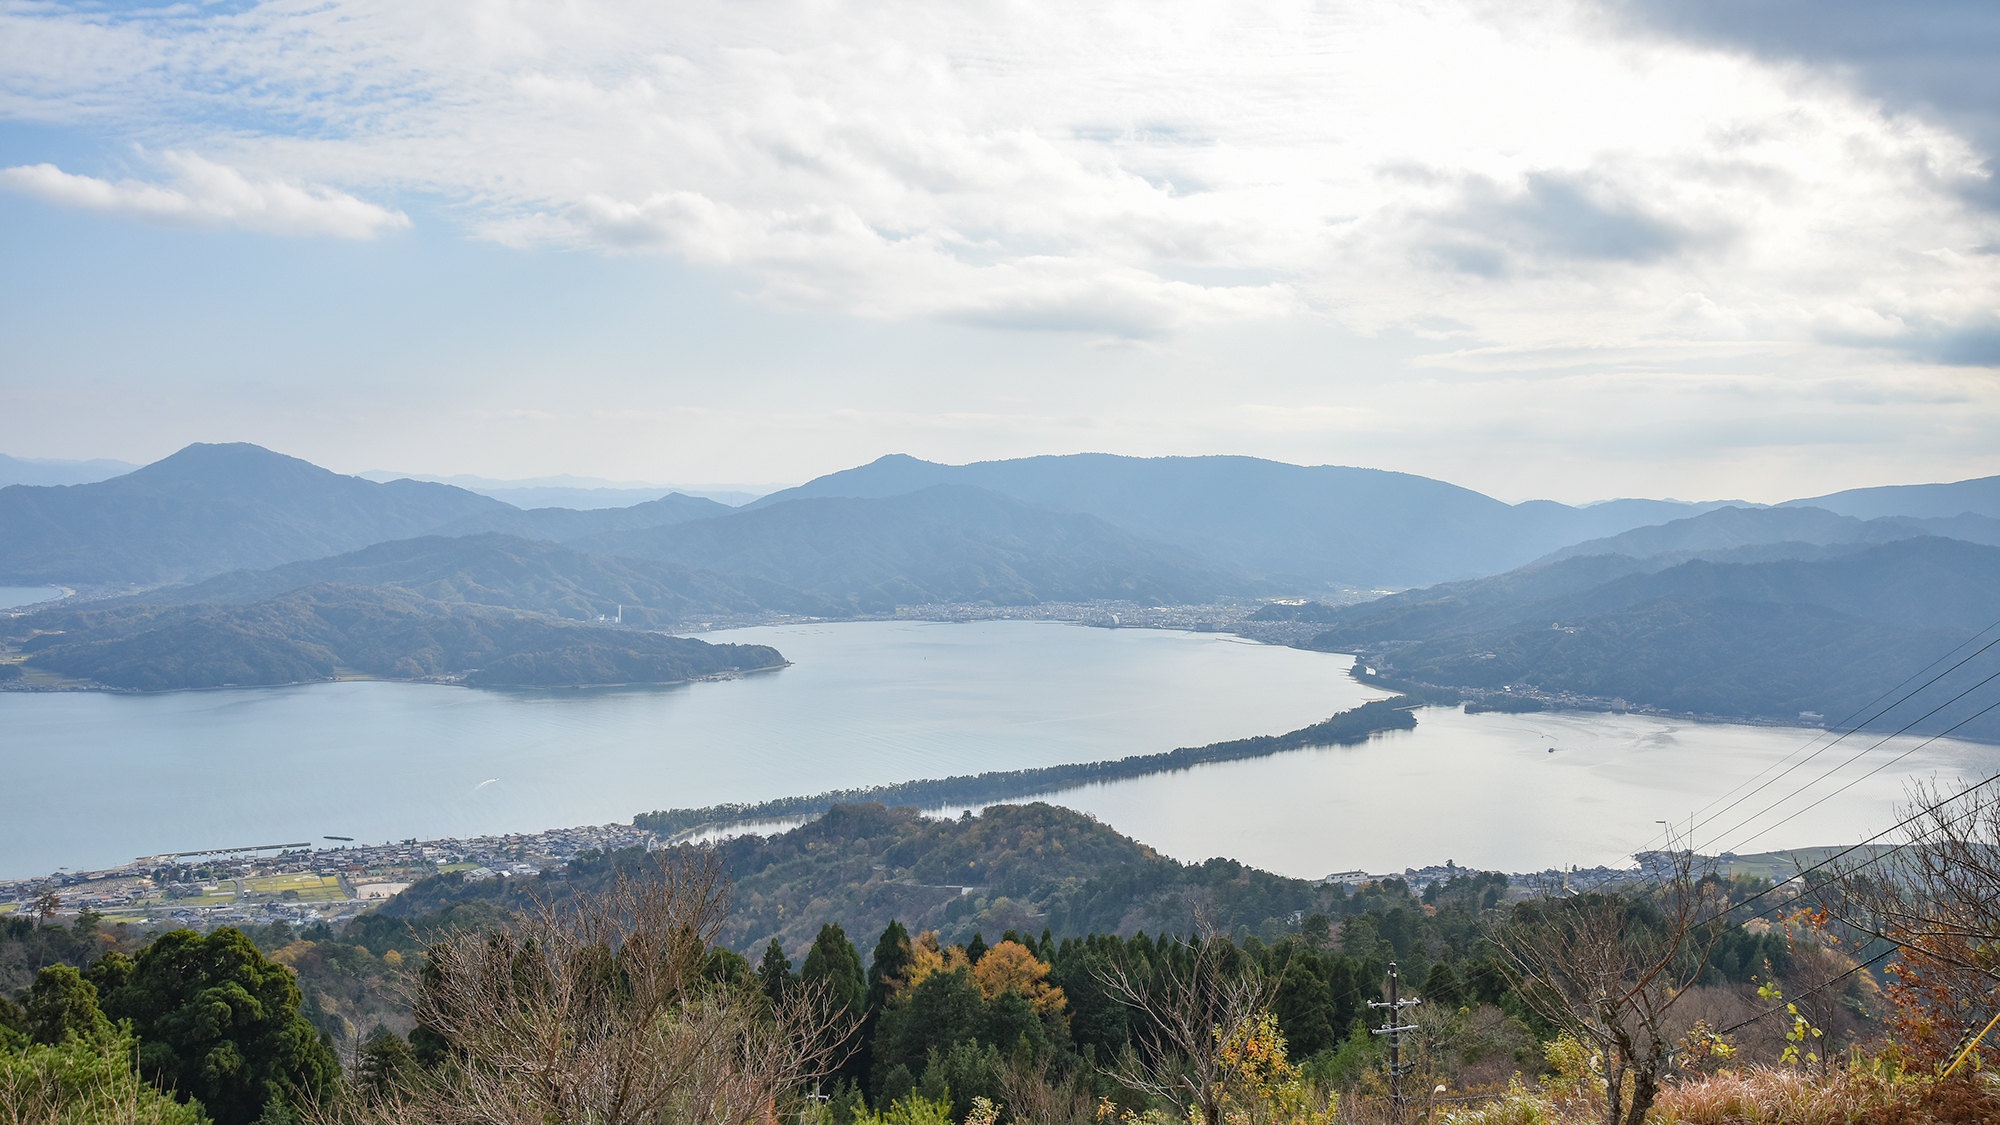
<point x="1762" y="1094"/>
<point x="1768" y="1096"/>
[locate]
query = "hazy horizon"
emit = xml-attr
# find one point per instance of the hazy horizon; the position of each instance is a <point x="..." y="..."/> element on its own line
<point x="475" y="482"/>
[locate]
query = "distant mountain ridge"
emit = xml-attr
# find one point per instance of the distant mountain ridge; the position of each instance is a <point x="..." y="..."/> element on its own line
<point x="945" y="543"/>
<point x="1732" y="527"/>
<point x="1320" y="524"/>
<point x="1764" y="639"/>
<point x="563" y="524"/>
<point x="38" y="471"/>
<point x="1980" y="496"/>
<point x="209" y="509"/>
<point x="513" y="573"/>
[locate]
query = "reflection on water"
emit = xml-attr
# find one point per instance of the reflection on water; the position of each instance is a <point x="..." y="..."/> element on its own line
<point x="11" y="596"/>
<point x="96" y="779"/>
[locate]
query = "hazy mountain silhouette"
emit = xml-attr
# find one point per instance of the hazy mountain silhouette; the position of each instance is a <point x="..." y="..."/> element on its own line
<point x="1980" y="496"/>
<point x="208" y="509"/>
<point x="503" y="570"/>
<point x="940" y="544"/>
<point x="562" y="524"/>
<point x="1322" y="523"/>
<point x="16" y="470"/>
<point x="1766" y="638"/>
<point x="1730" y="527"/>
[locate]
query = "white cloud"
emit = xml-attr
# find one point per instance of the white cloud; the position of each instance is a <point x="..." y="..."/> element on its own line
<point x="203" y="193"/>
<point x="1113" y="166"/>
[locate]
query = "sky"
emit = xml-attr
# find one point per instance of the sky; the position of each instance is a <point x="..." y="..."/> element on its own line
<point x="1690" y="248"/>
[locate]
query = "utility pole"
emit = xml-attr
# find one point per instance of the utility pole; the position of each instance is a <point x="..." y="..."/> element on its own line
<point x="1394" y="1030"/>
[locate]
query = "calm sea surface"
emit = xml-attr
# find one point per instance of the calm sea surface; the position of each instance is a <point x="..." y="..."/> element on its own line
<point x="1484" y="790"/>
<point x="11" y="596"/>
<point x="96" y="779"/>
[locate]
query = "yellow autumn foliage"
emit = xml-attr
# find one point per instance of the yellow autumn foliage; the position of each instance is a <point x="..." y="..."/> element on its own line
<point x="1010" y="965"/>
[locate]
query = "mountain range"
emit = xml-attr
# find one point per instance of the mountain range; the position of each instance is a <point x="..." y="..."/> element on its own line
<point x="44" y="471"/>
<point x="944" y="543"/>
<point x="209" y="509"/>
<point x="1318" y="525"/>
<point x="1731" y="527"/>
<point x="513" y="573"/>
<point x="1714" y="606"/>
<point x="1769" y="638"/>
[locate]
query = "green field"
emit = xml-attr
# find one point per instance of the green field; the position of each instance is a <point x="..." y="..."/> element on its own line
<point x="1780" y="866"/>
<point x="310" y="887"/>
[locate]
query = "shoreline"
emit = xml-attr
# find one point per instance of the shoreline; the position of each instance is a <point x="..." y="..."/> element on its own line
<point x="436" y="681"/>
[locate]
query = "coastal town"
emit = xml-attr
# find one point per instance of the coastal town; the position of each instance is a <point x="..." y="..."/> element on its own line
<point x="333" y="881"/>
<point x="325" y="881"/>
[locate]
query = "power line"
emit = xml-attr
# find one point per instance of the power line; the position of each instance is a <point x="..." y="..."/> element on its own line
<point x="1898" y="826"/>
<point x="1886" y="738"/>
<point x="1810" y="991"/>
<point x="1849" y="719"/>
<point x="1906" y="697"/>
<point x="1873" y="772"/>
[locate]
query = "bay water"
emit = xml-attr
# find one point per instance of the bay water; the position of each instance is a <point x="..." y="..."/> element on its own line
<point x="98" y="778"/>
<point x="95" y="779"/>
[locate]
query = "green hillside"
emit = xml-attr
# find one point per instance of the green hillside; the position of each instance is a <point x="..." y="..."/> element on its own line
<point x="1767" y="639"/>
<point x="515" y="573"/>
<point x="325" y="631"/>
<point x="1031" y="866"/>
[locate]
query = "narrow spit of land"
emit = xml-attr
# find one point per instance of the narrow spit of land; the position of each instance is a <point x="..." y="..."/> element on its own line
<point x="1344" y="729"/>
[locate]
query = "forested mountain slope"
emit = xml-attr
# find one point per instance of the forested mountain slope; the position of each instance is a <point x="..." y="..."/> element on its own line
<point x="1764" y="639"/>
<point x="1025" y="866"/>
<point x="320" y="632"/>
<point x="946" y="543"/>
<point x="514" y="573"/>
<point x="210" y="509"/>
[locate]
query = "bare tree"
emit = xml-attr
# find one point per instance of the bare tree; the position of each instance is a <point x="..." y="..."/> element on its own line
<point x="1609" y="970"/>
<point x="1936" y="895"/>
<point x="595" y="1011"/>
<point x="1034" y="1098"/>
<point x="1196" y="998"/>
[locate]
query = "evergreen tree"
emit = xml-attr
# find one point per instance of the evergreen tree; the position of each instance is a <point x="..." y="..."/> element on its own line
<point x="218" y="1022"/>
<point x="385" y="1060"/>
<point x="835" y="965"/>
<point x="976" y="948"/>
<point x="61" y="1006"/>
<point x="944" y="1009"/>
<point x="1443" y="987"/>
<point x="890" y="965"/>
<point x="776" y="972"/>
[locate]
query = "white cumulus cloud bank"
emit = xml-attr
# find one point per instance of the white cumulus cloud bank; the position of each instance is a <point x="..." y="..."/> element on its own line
<point x="1536" y="174"/>
<point x="204" y="193"/>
